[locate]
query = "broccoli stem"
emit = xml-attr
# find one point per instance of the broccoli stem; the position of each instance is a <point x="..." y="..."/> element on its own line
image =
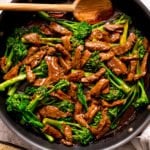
<point x="123" y="38"/>
<point x="49" y="137"/>
<point x="120" y="84"/>
<point x="81" y="96"/>
<point x="59" y="85"/>
<point x="13" y="89"/>
<point x="12" y="81"/>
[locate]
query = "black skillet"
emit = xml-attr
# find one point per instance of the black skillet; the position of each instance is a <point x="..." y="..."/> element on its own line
<point x="141" y="19"/>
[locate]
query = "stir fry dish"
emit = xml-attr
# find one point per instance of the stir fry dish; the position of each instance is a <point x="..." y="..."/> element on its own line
<point x="71" y="81"/>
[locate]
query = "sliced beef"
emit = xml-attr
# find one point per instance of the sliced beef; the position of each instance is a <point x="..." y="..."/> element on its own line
<point x="65" y="64"/>
<point x="97" y="45"/>
<point x="30" y="75"/>
<point x="46" y="30"/>
<point x="67" y="43"/>
<point x="72" y="91"/>
<point x="92" y="111"/>
<point x="94" y="76"/>
<point x="113" y="27"/>
<point x="54" y="27"/>
<point x="117" y="66"/>
<point x="121" y="49"/>
<point x="76" y="61"/>
<point x="98" y="87"/>
<point x="33" y="38"/>
<point x="62" y="50"/>
<point x="49" y="50"/>
<point x="32" y="50"/>
<point x="13" y="72"/>
<point x="132" y="70"/>
<point x="52" y="131"/>
<point x="85" y="57"/>
<point x="52" y="112"/>
<point x="75" y="76"/>
<point x="106" y="55"/>
<point x="113" y="104"/>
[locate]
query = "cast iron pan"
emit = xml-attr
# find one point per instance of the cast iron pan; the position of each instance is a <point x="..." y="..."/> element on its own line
<point x="141" y="19"/>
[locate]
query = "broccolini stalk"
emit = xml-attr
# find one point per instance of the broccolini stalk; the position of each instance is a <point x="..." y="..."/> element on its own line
<point x="129" y="100"/>
<point x="124" y="35"/>
<point x="80" y="134"/>
<point x="80" y="29"/>
<point x="40" y="71"/>
<point x="59" y="85"/>
<point x="116" y="81"/>
<point x="17" y="103"/>
<point x="81" y="96"/>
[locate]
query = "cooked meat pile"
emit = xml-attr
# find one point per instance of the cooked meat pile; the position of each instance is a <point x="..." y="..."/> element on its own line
<point x="73" y="81"/>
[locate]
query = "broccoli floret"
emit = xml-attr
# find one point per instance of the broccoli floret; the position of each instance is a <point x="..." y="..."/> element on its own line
<point x="94" y="63"/>
<point x="80" y="29"/>
<point x="80" y="134"/>
<point x="59" y="85"/>
<point x="113" y="112"/>
<point x="40" y="71"/>
<point x="114" y="94"/>
<point x="96" y="119"/>
<point x="16" y="50"/>
<point x="64" y="105"/>
<point x="17" y="103"/>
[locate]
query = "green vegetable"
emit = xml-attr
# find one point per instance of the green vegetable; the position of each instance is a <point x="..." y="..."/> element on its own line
<point x="17" y="103"/>
<point x="96" y="119"/>
<point x="16" y="50"/>
<point x="94" y="63"/>
<point x="81" y="96"/>
<point x="114" y="94"/>
<point x="80" y="134"/>
<point x="40" y="71"/>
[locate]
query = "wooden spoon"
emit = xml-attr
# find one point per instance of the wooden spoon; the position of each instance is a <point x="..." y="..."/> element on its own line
<point x="83" y="10"/>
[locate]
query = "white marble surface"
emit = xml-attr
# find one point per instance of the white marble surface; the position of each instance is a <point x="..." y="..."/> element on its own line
<point x="7" y="135"/>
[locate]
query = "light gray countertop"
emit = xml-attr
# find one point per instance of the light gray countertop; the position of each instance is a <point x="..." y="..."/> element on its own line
<point x="7" y="135"/>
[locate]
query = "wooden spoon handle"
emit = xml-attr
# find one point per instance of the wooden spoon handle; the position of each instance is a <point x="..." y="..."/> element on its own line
<point x="36" y="7"/>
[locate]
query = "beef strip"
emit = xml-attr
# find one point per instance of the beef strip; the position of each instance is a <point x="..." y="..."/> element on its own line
<point x="63" y="95"/>
<point x="72" y="90"/>
<point x="143" y="68"/>
<point x="128" y="58"/>
<point x="85" y="57"/>
<point x="68" y="132"/>
<point x="65" y="63"/>
<point x="75" y="76"/>
<point x="66" y="42"/>
<point x="3" y="63"/>
<point x="94" y="76"/>
<point x="49" y="50"/>
<point x="96" y="35"/>
<point x="76" y="61"/>
<point x="59" y="29"/>
<point x="66" y="142"/>
<point x="79" y="116"/>
<point x="132" y="70"/>
<point x="106" y="90"/>
<point x="13" y="72"/>
<point x="30" y="75"/>
<point x="100" y="85"/>
<point x="52" y="131"/>
<point x="46" y="30"/>
<point x="113" y="104"/>
<point x="33" y="38"/>
<point x="34" y="59"/>
<point x="92" y="111"/>
<point x="62" y="50"/>
<point x="32" y="50"/>
<point x="106" y="56"/>
<point x="117" y="66"/>
<point x="113" y="27"/>
<point x="121" y="49"/>
<point x="52" y="112"/>
<point x="97" y="45"/>
<point x="103" y="126"/>
<point x="55" y="72"/>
